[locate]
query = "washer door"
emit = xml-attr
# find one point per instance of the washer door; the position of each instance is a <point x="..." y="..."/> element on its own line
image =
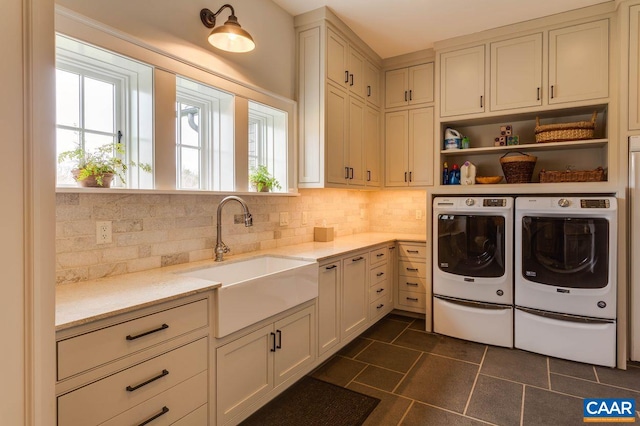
<point x="471" y="245"/>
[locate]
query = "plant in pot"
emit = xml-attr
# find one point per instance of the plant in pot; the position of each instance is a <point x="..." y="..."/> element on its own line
<point x="262" y="180"/>
<point x="97" y="168"/>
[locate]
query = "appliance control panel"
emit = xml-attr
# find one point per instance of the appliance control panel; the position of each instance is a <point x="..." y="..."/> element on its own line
<point x="494" y="202"/>
<point x="594" y="204"/>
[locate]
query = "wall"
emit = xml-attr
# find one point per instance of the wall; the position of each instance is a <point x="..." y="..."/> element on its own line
<point x="175" y="27"/>
<point x="155" y="230"/>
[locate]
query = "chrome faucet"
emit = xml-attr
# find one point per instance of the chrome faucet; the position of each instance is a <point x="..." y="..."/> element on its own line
<point x="222" y="248"/>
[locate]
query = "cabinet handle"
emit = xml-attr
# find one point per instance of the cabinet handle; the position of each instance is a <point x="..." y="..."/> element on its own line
<point x="410" y="94"/>
<point x="538" y="93"/>
<point x="357" y="259"/>
<point x="153" y="379"/>
<point x="368" y="175"/>
<point x="346" y="172"/>
<point x="481" y="101"/>
<point x="410" y="176"/>
<point x="379" y="254"/>
<point x="380" y="290"/>
<point x="405" y="96"/>
<point x="273" y="345"/>
<point x="162" y="412"/>
<point x="279" y="345"/>
<point x="331" y="267"/>
<point x="552" y="91"/>
<point x="412" y="269"/>
<point x="413" y="251"/>
<point x="351" y="76"/>
<point x="380" y="306"/>
<point x="368" y="91"/>
<point x="379" y="274"/>
<point x="392" y="248"/>
<point x="155" y="330"/>
<point x="413" y="299"/>
<point x="346" y="76"/>
<point x="405" y="176"/>
<point x="350" y="172"/>
<point x="412" y="284"/>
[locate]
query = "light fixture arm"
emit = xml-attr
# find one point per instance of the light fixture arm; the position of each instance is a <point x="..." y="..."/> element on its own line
<point x="208" y="18"/>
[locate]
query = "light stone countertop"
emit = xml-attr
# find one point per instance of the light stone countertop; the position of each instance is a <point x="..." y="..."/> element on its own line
<point x="87" y="301"/>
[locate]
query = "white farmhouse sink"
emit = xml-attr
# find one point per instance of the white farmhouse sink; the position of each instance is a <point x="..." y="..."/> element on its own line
<point x="257" y="288"/>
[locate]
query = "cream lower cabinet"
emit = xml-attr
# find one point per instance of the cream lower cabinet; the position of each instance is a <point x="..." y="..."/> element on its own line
<point x="411" y="292"/>
<point x="329" y="304"/>
<point x="409" y="148"/>
<point x="380" y="284"/>
<point x="355" y="294"/>
<point x="250" y="367"/>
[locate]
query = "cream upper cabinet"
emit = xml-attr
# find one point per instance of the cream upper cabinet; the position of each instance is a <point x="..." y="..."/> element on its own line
<point x="579" y="62"/>
<point x="337" y="59"/>
<point x="462" y="74"/>
<point x="409" y="86"/>
<point x="372" y="147"/>
<point x="337" y="121"/>
<point x="356" y="73"/>
<point x="634" y="68"/>
<point x="355" y="159"/>
<point x="516" y="73"/>
<point x="372" y="83"/>
<point x="409" y="147"/>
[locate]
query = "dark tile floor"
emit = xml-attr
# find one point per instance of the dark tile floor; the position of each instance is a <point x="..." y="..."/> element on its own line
<point x="428" y="379"/>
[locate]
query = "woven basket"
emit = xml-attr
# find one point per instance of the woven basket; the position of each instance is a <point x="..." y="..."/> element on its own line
<point x="519" y="168"/>
<point x="575" y="131"/>
<point x="596" y="175"/>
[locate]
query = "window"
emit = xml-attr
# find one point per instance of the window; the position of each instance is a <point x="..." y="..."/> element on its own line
<point x="268" y="141"/>
<point x="204" y="137"/>
<point x="102" y="98"/>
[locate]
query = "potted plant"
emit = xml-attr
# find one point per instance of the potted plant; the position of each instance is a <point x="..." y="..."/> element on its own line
<point x="97" y="168"/>
<point x="262" y="180"/>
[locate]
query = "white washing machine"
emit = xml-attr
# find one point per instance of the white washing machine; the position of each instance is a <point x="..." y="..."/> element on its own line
<point x="473" y="269"/>
<point x="565" y="277"/>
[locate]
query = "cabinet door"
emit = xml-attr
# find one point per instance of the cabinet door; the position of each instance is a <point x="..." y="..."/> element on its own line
<point x="396" y="148"/>
<point x="634" y="68"/>
<point x="372" y="83"/>
<point x="421" y="84"/>
<point x="421" y="147"/>
<point x="372" y="146"/>
<point x="244" y="372"/>
<point x="337" y="58"/>
<point x="355" y="143"/>
<point x="579" y="62"/>
<point x="356" y="73"/>
<point x="329" y="282"/>
<point x="516" y="73"/>
<point x="355" y="291"/>
<point x="462" y="82"/>
<point x="396" y="88"/>
<point x="337" y="110"/>
<point x="295" y="348"/>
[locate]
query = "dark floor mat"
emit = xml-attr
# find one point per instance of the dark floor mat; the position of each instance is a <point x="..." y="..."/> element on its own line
<point x="312" y="402"/>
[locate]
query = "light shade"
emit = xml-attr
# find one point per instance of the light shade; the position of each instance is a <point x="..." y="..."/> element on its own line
<point x="229" y="37"/>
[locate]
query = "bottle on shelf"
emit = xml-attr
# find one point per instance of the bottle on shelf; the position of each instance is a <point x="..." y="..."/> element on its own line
<point x="454" y="175"/>
<point x="445" y="174"/>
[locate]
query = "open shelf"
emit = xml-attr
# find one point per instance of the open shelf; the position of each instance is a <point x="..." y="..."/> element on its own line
<point x="549" y="146"/>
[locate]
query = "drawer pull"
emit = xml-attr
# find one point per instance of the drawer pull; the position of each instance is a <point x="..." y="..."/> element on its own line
<point x="413" y="299"/>
<point x="379" y="274"/>
<point x="162" y="327"/>
<point x="380" y="306"/>
<point x="273" y="346"/>
<point x="412" y="284"/>
<point x="279" y="345"/>
<point x="380" y="290"/>
<point x="153" y="379"/>
<point x="413" y="251"/>
<point x="164" y="411"/>
<point x="412" y="269"/>
<point x="357" y="259"/>
<point x="379" y="254"/>
<point x="328" y="268"/>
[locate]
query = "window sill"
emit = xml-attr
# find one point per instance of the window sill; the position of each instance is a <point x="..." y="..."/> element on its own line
<point x="79" y="190"/>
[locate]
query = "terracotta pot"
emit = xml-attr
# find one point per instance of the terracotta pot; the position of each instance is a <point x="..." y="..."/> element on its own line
<point x="91" y="182"/>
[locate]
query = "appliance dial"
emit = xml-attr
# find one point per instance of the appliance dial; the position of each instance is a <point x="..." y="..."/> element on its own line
<point x="563" y="202"/>
<point x="602" y="304"/>
<point x="499" y="292"/>
<point x="469" y="202"/>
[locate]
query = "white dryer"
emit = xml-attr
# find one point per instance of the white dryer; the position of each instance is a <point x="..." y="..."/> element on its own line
<point x="473" y="269"/>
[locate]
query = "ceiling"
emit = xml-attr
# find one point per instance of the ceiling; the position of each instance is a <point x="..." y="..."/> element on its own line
<point x="397" y="27"/>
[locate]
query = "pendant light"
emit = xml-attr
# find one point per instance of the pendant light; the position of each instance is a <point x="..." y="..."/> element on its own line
<point x="230" y="36"/>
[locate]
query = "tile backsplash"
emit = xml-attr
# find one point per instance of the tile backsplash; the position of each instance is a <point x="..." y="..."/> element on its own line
<point x="155" y="230"/>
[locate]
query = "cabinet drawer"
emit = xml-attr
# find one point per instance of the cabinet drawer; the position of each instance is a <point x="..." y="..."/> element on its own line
<point x="415" y="284"/>
<point x="412" y="299"/>
<point x="379" y="290"/>
<point x="379" y="308"/>
<point x="412" y="269"/>
<point x="414" y="251"/>
<point x="106" y="398"/>
<point x="169" y="406"/>
<point x="197" y="417"/>
<point x="378" y="275"/>
<point x="378" y="256"/>
<point x="81" y="353"/>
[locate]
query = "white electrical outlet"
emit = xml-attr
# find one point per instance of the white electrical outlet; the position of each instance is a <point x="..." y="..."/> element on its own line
<point x="305" y="218"/>
<point x="418" y="214"/>
<point x="284" y="218"/>
<point x="103" y="232"/>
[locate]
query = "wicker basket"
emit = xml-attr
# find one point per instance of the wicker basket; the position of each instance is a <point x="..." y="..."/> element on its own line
<point x="575" y="131"/>
<point x="519" y="168"/>
<point x="596" y="175"/>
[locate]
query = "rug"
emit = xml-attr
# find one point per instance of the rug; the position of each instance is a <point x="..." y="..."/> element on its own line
<point x="312" y="402"/>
